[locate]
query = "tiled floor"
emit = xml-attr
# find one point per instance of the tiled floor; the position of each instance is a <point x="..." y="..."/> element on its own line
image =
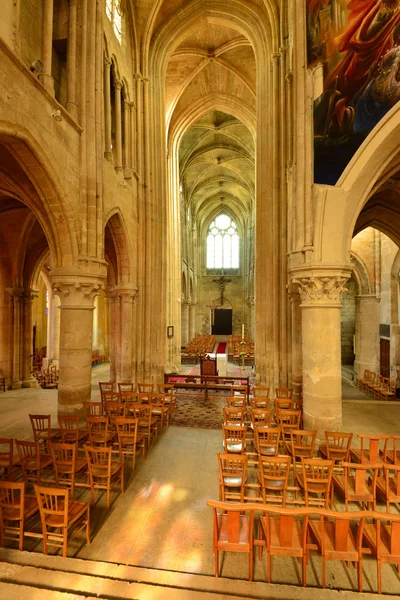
<point x="162" y="520"/>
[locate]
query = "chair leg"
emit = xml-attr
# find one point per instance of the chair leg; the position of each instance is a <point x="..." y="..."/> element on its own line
<point x="216" y="565"/>
<point x="269" y="566"/>
<point x="379" y="569"/>
<point x="88" y="524"/>
<point x="323" y="572"/>
<point x="359" y="575"/>
<point x="65" y="542"/>
<point x="251" y="564"/>
<point x="305" y="569"/>
<point x="21" y="535"/>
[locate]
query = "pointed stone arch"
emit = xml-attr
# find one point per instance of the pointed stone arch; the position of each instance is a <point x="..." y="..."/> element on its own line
<point x="122" y="257"/>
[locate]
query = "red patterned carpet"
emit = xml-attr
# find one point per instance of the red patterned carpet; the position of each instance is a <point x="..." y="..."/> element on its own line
<point x="221" y="348"/>
<point x="194" y="411"/>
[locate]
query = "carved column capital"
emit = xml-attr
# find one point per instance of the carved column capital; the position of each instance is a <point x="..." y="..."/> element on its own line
<point x="30" y="294"/>
<point x="321" y="290"/>
<point x="76" y="294"/>
<point x="275" y="58"/>
<point x="127" y="294"/>
<point x="118" y="84"/>
<point x="107" y="62"/>
<point x="16" y="293"/>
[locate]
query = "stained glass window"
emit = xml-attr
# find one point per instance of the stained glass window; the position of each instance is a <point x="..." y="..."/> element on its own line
<point x="222" y="244"/>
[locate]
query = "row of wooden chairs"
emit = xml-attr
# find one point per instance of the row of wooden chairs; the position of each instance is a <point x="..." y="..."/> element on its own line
<point x="200" y="344"/>
<point x="380" y="388"/>
<point x="59" y="514"/>
<point x="298" y="532"/>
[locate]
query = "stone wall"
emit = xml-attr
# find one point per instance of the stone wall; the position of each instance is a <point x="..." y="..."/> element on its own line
<point x="347" y="323"/>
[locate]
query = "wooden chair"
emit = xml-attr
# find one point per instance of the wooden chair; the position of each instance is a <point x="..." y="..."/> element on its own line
<point x="273" y="476"/>
<point x="285" y="534"/>
<point x="233" y="415"/>
<point x="382" y="537"/>
<point x="335" y="540"/>
<point x="67" y="464"/>
<point x="267" y="440"/>
<point x="261" y="417"/>
<point x="236" y="401"/>
<point x="259" y="402"/>
<point x="42" y="430"/>
<point x="370" y="382"/>
<point x="392" y="455"/>
<point x="114" y="410"/>
<point x="301" y="445"/>
<point x="16" y="508"/>
<point x="125" y="387"/>
<point x="373" y="447"/>
<point x="99" y="433"/>
<point x="358" y="483"/>
<point x="360" y="382"/>
<point x="283" y="392"/>
<point x="148" y="424"/>
<point x="7" y="460"/>
<point x="33" y="462"/>
<point x="234" y="438"/>
<point x="71" y="430"/>
<point x="388" y="392"/>
<point x="283" y="404"/>
<point x="159" y="410"/>
<point x="130" y="440"/>
<point x="232" y="532"/>
<point x="93" y="409"/>
<point x="388" y="486"/>
<point x="232" y="476"/>
<point x="170" y="400"/>
<point x="315" y="478"/>
<point x="106" y="386"/>
<point x="262" y="392"/>
<point x="289" y="420"/>
<point x="336" y="447"/>
<point x="239" y="390"/>
<point x="102" y="470"/>
<point x="145" y="388"/>
<point x="59" y="515"/>
<point x="108" y="397"/>
<point x="375" y="387"/>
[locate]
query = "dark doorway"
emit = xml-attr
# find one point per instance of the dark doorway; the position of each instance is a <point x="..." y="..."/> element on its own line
<point x="222" y="322"/>
<point x="385" y="357"/>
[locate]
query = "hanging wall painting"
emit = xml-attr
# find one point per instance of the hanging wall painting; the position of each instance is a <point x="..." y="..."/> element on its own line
<point x="356" y="44"/>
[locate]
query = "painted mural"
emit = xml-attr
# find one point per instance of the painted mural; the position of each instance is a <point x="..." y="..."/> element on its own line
<point x="354" y="46"/>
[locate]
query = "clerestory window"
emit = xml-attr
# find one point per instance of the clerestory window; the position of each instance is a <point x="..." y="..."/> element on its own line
<point x="114" y="14"/>
<point x="222" y="244"/>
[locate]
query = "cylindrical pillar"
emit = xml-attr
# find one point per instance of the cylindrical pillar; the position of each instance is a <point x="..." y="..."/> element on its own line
<point x="297" y="362"/>
<point x="16" y="294"/>
<point x="54" y="354"/>
<point x="76" y="327"/>
<point x="27" y="340"/>
<point x="367" y="335"/>
<point x="185" y="323"/>
<point x="47" y="46"/>
<point x="322" y="386"/>
<point x="192" y="320"/>
<point x="107" y="109"/>
<point x="118" y="124"/>
<point x="112" y="304"/>
<point x="127" y="140"/>
<point x="126" y="319"/>
<point x="71" y="104"/>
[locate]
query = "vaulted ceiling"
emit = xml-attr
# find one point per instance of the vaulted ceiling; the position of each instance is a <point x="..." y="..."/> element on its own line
<point x="210" y="104"/>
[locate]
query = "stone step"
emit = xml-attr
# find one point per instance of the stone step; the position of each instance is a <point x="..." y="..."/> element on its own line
<point x="41" y="577"/>
<point x="347" y="373"/>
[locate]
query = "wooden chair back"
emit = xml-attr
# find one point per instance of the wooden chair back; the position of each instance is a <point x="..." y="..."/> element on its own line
<point x="317" y="479"/>
<point x="302" y="442"/>
<point x="102" y="469"/>
<point x="233" y="415"/>
<point x="32" y="461"/>
<point x="261" y="416"/>
<point x="7" y="457"/>
<point x="262" y="392"/>
<point x="113" y="410"/>
<point x="373" y="447"/>
<point x="283" y="392"/>
<point x="106" y="386"/>
<point x="239" y="390"/>
<point x="70" y="429"/>
<point x="125" y="387"/>
<point x="259" y="402"/>
<point x="58" y="513"/>
<point x="337" y="447"/>
<point x="98" y="430"/>
<point x="15" y="510"/>
<point x="234" y="438"/>
<point x="233" y="531"/>
<point x="289" y="420"/>
<point x="165" y="388"/>
<point x="274" y="476"/>
<point x="93" y="409"/>
<point x="41" y="426"/>
<point x="267" y="440"/>
<point x="66" y="464"/>
<point x="360" y="482"/>
<point x="392" y="455"/>
<point x="145" y="388"/>
<point x="236" y="401"/>
<point x="232" y="475"/>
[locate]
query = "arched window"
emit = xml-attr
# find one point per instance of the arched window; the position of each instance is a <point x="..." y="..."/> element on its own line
<point x="222" y="244"/>
<point x="114" y="14"/>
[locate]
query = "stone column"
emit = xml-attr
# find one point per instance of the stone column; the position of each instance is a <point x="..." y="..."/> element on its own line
<point x="322" y="389"/>
<point x="118" y="125"/>
<point x="71" y="104"/>
<point x="112" y="304"/>
<point x="367" y="335"/>
<point x="127" y="139"/>
<point x="76" y="327"/>
<point x="54" y="324"/>
<point x="192" y="320"/>
<point x="127" y="297"/>
<point x="185" y="322"/>
<point x="297" y="362"/>
<point x="16" y="294"/>
<point x="47" y="46"/>
<point x="107" y="110"/>
<point x="27" y="379"/>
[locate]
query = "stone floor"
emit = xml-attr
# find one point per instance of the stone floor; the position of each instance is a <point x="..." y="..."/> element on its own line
<point x="162" y="520"/>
